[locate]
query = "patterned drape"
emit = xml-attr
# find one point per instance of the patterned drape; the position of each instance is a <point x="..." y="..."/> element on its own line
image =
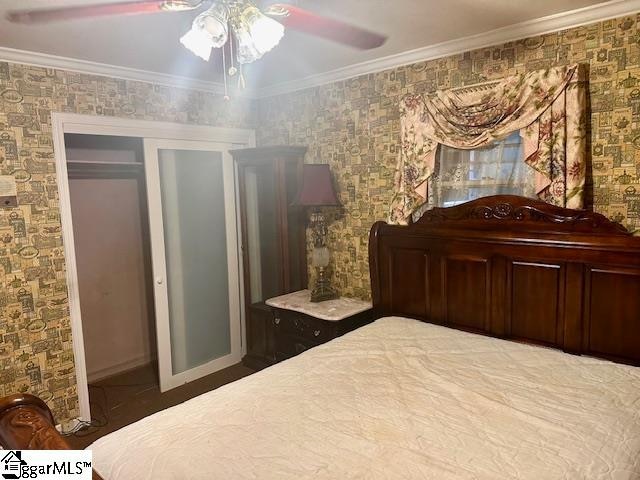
<point x="548" y="107"/>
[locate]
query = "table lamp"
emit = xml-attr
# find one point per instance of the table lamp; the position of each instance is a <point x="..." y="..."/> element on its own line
<point x="317" y="191"/>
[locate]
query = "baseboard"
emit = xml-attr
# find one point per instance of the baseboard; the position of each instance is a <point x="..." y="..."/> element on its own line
<point x="121" y="367"/>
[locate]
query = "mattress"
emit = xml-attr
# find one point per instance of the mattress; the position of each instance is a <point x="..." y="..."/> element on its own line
<point x="397" y="399"/>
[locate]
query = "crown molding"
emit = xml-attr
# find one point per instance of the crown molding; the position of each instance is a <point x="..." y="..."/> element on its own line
<point x="530" y="28"/>
<point x="104" y="70"/>
<point x="540" y="26"/>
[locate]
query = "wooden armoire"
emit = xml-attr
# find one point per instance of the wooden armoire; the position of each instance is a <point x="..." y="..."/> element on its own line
<point x="273" y="238"/>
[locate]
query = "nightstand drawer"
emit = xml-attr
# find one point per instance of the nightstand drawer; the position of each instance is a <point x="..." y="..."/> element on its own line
<point x="287" y="345"/>
<point x="299" y="324"/>
<point x="303" y="326"/>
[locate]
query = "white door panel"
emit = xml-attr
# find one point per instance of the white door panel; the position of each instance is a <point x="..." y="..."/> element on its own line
<point x="191" y="195"/>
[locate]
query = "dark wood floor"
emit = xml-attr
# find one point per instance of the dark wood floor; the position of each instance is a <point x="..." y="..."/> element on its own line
<point x="128" y="397"/>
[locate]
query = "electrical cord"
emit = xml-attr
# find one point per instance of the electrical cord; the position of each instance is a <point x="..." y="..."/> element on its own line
<point x="84" y="428"/>
<point x="99" y="409"/>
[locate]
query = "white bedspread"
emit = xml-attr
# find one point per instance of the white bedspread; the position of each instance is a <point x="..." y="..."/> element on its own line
<point x="397" y="399"/>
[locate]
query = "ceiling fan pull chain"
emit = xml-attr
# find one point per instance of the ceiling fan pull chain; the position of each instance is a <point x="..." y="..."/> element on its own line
<point x="232" y="69"/>
<point x="224" y="74"/>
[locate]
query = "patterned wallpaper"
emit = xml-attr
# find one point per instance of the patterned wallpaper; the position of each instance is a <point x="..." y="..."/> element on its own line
<point x="35" y="336"/>
<point x="354" y="126"/>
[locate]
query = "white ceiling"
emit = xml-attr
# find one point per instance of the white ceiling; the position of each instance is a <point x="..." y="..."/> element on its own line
<point x="150" y="42"/>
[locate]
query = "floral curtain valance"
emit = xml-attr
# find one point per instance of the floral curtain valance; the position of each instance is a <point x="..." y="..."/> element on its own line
<point x="548" y="107"/>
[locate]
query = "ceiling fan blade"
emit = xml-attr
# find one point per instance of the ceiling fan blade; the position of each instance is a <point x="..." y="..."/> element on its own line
<point x="85" y="11"/>
<point x="305" y="21"/>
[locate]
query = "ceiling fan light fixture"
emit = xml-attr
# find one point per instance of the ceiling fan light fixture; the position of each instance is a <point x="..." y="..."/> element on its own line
<point x="256" y="34"/>
<point x="209" y="30"/>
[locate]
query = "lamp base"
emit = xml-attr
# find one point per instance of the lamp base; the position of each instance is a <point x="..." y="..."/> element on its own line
<point x="322" y="290"/>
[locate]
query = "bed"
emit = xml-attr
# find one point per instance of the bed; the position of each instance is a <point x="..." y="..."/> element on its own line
<point x="461" y="377"/>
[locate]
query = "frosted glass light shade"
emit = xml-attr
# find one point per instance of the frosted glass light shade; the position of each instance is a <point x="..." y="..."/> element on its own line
<point x="214" y="22"/>
<point x="256" y="34"/>
<point x="320" y="257"/>
<point x="198" y="43"/>
<point x="209" y="30"/>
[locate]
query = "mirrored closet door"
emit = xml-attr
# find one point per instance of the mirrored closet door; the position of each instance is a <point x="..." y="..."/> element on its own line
<point x="191" y="200"/>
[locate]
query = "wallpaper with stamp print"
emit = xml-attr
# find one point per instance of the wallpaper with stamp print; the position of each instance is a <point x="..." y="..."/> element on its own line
<point x="35" y="336"/>
<point x="354" y="126"/>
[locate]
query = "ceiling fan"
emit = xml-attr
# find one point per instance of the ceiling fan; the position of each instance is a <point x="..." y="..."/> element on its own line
<point x="255" y="31"/>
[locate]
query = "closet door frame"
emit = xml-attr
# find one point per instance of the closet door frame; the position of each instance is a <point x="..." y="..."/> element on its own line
<point x="63" y="123"/>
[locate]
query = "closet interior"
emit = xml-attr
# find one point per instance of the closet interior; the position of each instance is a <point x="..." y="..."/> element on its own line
<point x="113" y="258"/>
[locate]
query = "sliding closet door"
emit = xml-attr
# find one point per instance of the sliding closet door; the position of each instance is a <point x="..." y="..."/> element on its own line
<point x="195" y="260"/>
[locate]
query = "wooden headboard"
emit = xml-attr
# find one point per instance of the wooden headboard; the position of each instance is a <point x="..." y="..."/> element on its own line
<point x="514" y="268"/>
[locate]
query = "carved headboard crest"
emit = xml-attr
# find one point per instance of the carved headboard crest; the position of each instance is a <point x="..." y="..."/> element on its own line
<point x="522" y="211"/>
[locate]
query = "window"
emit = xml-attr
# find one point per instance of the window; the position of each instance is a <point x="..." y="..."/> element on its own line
<point x="497" y="168"/>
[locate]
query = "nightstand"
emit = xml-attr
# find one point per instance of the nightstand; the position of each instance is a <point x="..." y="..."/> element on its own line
<point x="299" y="324"/>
